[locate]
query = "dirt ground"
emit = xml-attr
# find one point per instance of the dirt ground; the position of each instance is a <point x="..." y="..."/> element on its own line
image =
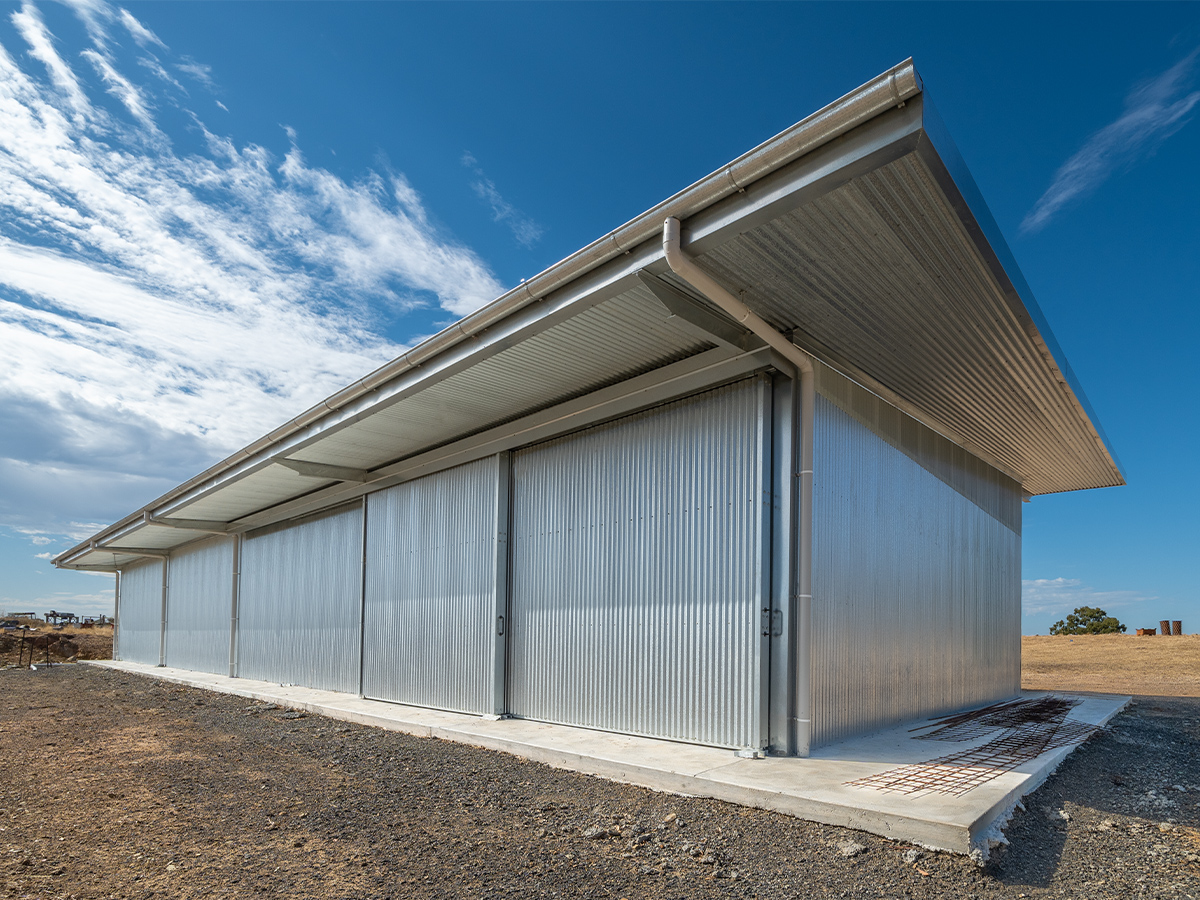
<point x="67" y="642"/>
<point x="1113" y="664"/>
<point x="120" y="786"/>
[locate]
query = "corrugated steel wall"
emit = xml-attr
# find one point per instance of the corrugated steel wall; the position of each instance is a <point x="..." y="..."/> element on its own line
<point x="140" y="612"/>
<point x="916" y="571"/>
<point x="430" y="590"/>
<point x="300" y="603"/>
<point x="638" y="572"/>
<point x="198" y="606"/>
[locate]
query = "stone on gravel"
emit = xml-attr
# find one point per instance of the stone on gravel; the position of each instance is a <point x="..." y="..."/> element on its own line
<point x="850" y="848"/>
<point x="419" y="812"/>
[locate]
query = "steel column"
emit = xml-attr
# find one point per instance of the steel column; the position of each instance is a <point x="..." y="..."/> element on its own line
<point x="117" y="616"/>
<point x="362" y="599"/>
<point x="162" y="621"/>
<point x="235" y="589"/>
<point x="500" y="596"/>
<point x="782" y="731"/>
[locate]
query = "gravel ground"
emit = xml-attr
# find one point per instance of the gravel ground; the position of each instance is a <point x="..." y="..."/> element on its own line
<point x="117" y="785"/>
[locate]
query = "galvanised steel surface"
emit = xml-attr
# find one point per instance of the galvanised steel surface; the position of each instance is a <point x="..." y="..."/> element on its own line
<point x="638" y="572"/>
<point x="853" y="270"/>
<point x="140" y="612"/>
<point x="300" y="603"/>
<point x="198" y="606"/>
<point x="430" y="590"/>
<point x="618" y="339"/>
<point x="916" y="572"/>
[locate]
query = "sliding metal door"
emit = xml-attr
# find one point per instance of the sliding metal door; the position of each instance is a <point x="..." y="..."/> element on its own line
<point x="432" y="604"/>
<point x="139" y="622"/>
<point x="640" y="570"/>
<point x="300" y="603"/>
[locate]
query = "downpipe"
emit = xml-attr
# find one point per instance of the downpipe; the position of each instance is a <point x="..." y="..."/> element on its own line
<point x="799" y="705"/>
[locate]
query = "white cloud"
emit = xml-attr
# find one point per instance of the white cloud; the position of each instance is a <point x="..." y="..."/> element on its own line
<point x="198" y="71"/>
<point x="120" y="87"/>
<point x="524" y="229"/>
<point x="1059" y="596"/>
<point x="1153" y="112"/>
<point x="140" y="33"/>
<point x="160" y="309"/>
<point x="41" y="47"/>
<point x="43" y="556"/>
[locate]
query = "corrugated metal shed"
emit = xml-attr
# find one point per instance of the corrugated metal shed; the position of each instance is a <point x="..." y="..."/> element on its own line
<point x="859" y="229"/>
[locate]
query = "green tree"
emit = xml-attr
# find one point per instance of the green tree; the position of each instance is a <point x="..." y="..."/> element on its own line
<point x="1088" y="620"/>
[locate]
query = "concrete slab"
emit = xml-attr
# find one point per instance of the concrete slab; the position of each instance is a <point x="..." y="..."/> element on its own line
<point x="817" y="788"/>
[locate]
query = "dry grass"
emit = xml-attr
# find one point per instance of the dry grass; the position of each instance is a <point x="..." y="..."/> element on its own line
<point x="1113" y="664"/>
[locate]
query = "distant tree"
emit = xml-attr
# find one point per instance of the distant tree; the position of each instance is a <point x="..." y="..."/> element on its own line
<point x="1088" y="620"/>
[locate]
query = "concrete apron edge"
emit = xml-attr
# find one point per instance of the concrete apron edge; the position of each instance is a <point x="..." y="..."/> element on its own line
<point x="960" y="838"/>
<point x="987" y="828"/>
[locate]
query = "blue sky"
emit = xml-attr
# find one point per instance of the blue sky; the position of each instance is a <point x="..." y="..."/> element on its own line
<point x="213" y="215"/>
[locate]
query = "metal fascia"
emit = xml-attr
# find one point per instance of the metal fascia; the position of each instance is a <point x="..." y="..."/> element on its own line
<point x="944" y="160"/>
<point x="882" y="93"/>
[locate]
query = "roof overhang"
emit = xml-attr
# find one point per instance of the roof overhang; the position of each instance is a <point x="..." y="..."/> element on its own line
<point x="858" y="231"/>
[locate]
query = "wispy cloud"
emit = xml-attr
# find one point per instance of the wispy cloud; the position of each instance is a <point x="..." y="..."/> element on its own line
<point x="524" y="229"/>
<point x="1154" y="111"/>
<point x="120" y="87"/>
<point x="1059" y="596"/>
<point x="198" y="71"/>
<point x="140" y="33"/>
<point x="159" y="309"/>
<point x="28" y="22"/>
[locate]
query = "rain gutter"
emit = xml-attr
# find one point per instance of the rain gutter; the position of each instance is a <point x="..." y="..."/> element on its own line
<point x="887" y="91"/>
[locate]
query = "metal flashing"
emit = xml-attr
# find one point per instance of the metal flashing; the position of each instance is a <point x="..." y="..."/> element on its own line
<point x="609" y="328"/>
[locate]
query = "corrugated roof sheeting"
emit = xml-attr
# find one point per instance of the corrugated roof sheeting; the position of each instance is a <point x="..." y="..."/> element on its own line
<point x="153" y="537"/>
<point x="889" y="276"/>
<point x="258" y="490"/>
<point x="610" y="342"/>
<point x="882" y="272"/>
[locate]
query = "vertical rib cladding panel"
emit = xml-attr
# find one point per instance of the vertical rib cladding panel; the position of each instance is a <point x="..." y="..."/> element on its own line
<point x="637" y="572"/>
<point x="141" y="612"/>
<point x="198" y="606"/>
<point x="916" y="588"/>
<point x="300" y="600"/>
<point x="431" y="558"/>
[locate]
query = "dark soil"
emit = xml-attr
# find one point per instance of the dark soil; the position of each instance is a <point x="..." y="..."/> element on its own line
<point x="43" y="643"/>
<point x="117" y="785"/>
